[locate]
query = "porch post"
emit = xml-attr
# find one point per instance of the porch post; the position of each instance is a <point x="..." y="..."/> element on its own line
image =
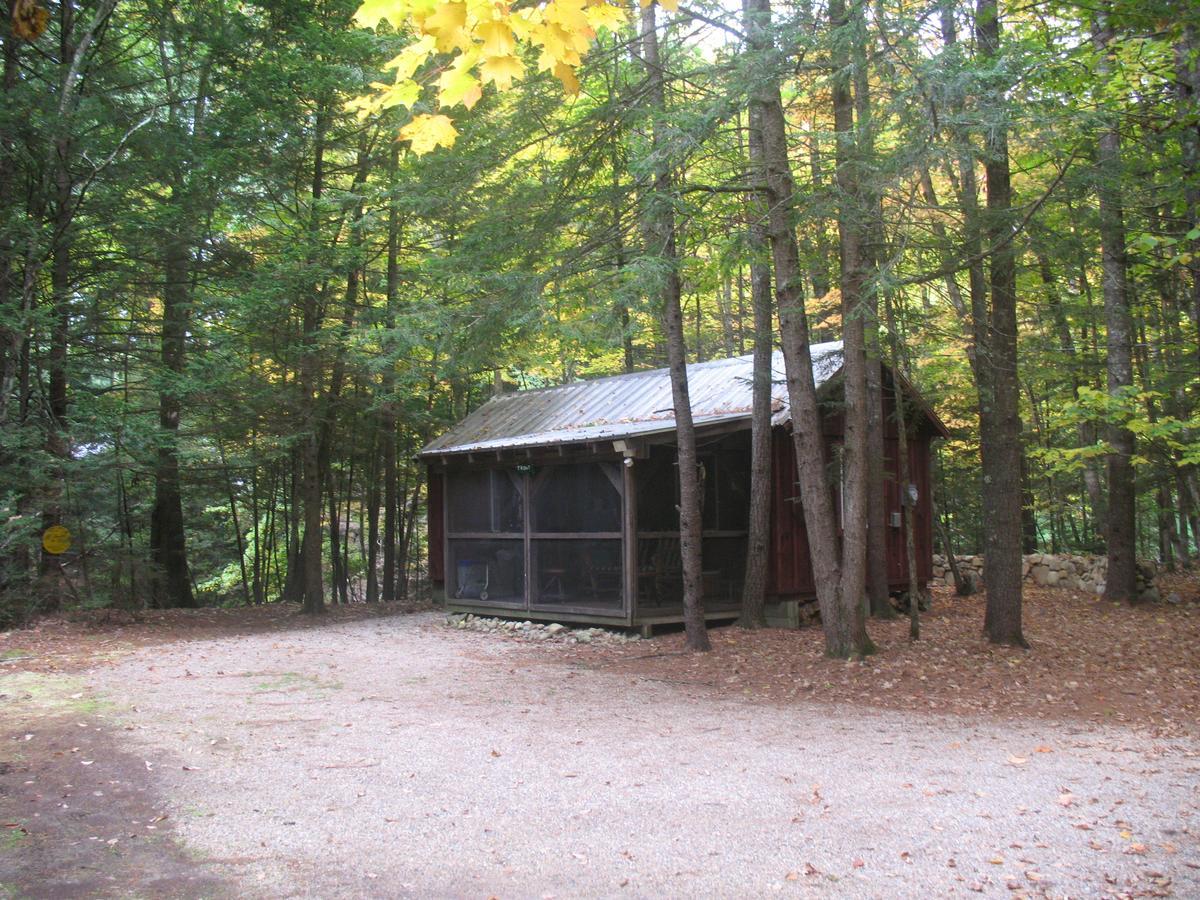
<point x="630" y="538"/>
<point x="527" y="542"/>
<point x="447" y="578"/>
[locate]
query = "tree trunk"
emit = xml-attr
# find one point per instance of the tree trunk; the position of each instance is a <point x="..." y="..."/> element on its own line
<point x="1120" y="584"/>
<point x="1066" y="341"/>
<point x="660" y="242"/>
<point x="348" y="517"/>
<point x="260" y="560"/>
<point x="616" y="223"/>
<point x="235" y="519"/>
<point x="407" y="560"/>
<point x="866" y="221"/>
<point x="57" y="445"/>
<point x="1187" y="81"/>
<point x="856" y="413"/>
<point x="387" y="436"/>
<point x="1188" y="520"/>
<point x="904" y="477"/>
<point x="337" y="575"/>
<point x="293" y="584"/>
<point x="841" y="616"/>
<point x="1165" y="512"/>
<point x="1029" y="526"/>
<point x="310" y="387"/>
<point x="965" y="184"/>
<point x="961" y="587"/>
<point x="821" y="281"/>
<point x="310" y="580"/>
<point x="758" y="540"/>
<point x="12" y="334"/>
<point x="328" y="406"/>
<point x="977" y="318"/>
<point x="173" y="584"/>
<point x="185" y="127"/>
<point x="56" y="441"/>
<point x="372" y="545"/>
<point x="999" y="392"/>
<point x="724" y="306"/>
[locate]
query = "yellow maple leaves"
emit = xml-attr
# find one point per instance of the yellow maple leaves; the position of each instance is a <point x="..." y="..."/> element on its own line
<point x="447" y="24"/>
<point x="604" y="15"/>
<point x="482" y="38"/>
<point x="426" y="132"/>
<point x="457" y="84"/>
<point x="497" y="37"/>
<point x="566" y="74"/>
<point x="501" y="70"/>
<point x="408" y="60"/>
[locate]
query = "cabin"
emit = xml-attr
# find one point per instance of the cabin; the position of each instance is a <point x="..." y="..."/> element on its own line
<point x="560" y="503"/>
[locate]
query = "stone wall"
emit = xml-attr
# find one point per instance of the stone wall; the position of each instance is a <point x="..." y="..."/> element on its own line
<point x="1082" y="573"/>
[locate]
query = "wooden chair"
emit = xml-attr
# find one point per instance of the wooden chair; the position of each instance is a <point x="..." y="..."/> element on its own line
<point x="659" y="563"/>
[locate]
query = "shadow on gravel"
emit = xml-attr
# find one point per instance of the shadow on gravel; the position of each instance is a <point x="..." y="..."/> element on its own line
<point x="78" y="815"/>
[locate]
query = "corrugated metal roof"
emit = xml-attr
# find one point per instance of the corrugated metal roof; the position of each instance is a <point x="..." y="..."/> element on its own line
<point x="622" y="405"/>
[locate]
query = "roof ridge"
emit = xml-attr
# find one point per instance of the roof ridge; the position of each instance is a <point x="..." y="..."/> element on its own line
<point x="719" y="361"/>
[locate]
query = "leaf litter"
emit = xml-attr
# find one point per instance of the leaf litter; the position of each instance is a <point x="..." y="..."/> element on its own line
<point x="1090" y="661"/>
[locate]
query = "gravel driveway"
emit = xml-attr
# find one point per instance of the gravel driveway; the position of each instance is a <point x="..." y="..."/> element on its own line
<point x="396" y="757"/>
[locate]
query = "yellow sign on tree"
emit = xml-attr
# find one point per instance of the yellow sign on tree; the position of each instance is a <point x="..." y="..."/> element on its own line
<point x="483" y="40"/>
<point x="56" y="540"/>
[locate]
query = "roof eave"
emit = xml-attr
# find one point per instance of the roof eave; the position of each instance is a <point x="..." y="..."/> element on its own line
<point x="566" y="440"/>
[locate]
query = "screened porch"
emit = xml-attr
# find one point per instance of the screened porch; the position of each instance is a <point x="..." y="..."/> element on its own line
<point x="596" y="539"/>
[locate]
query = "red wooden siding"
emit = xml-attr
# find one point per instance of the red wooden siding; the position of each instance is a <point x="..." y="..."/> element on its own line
<point x="919" y="469"/>
<point x="791" y="569"/>
<point x="791" y="566"/>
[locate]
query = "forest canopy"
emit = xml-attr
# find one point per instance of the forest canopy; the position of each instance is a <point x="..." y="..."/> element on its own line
<point x="254" y="255"/>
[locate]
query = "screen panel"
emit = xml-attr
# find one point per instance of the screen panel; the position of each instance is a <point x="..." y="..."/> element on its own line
<point x="487" y="571"/>
<point x="583" y="574"/>
<point x="486" y="501"/>
<point x="579" y="498"/>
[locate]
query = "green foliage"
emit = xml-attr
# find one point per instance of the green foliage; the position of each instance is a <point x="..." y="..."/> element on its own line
<point x="519" y="251"/>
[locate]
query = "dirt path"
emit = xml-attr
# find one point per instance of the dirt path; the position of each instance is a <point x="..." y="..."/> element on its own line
<point x="395" y="757"/>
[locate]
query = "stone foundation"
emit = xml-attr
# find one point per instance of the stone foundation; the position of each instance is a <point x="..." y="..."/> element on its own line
<point x="1081" y="573"/>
